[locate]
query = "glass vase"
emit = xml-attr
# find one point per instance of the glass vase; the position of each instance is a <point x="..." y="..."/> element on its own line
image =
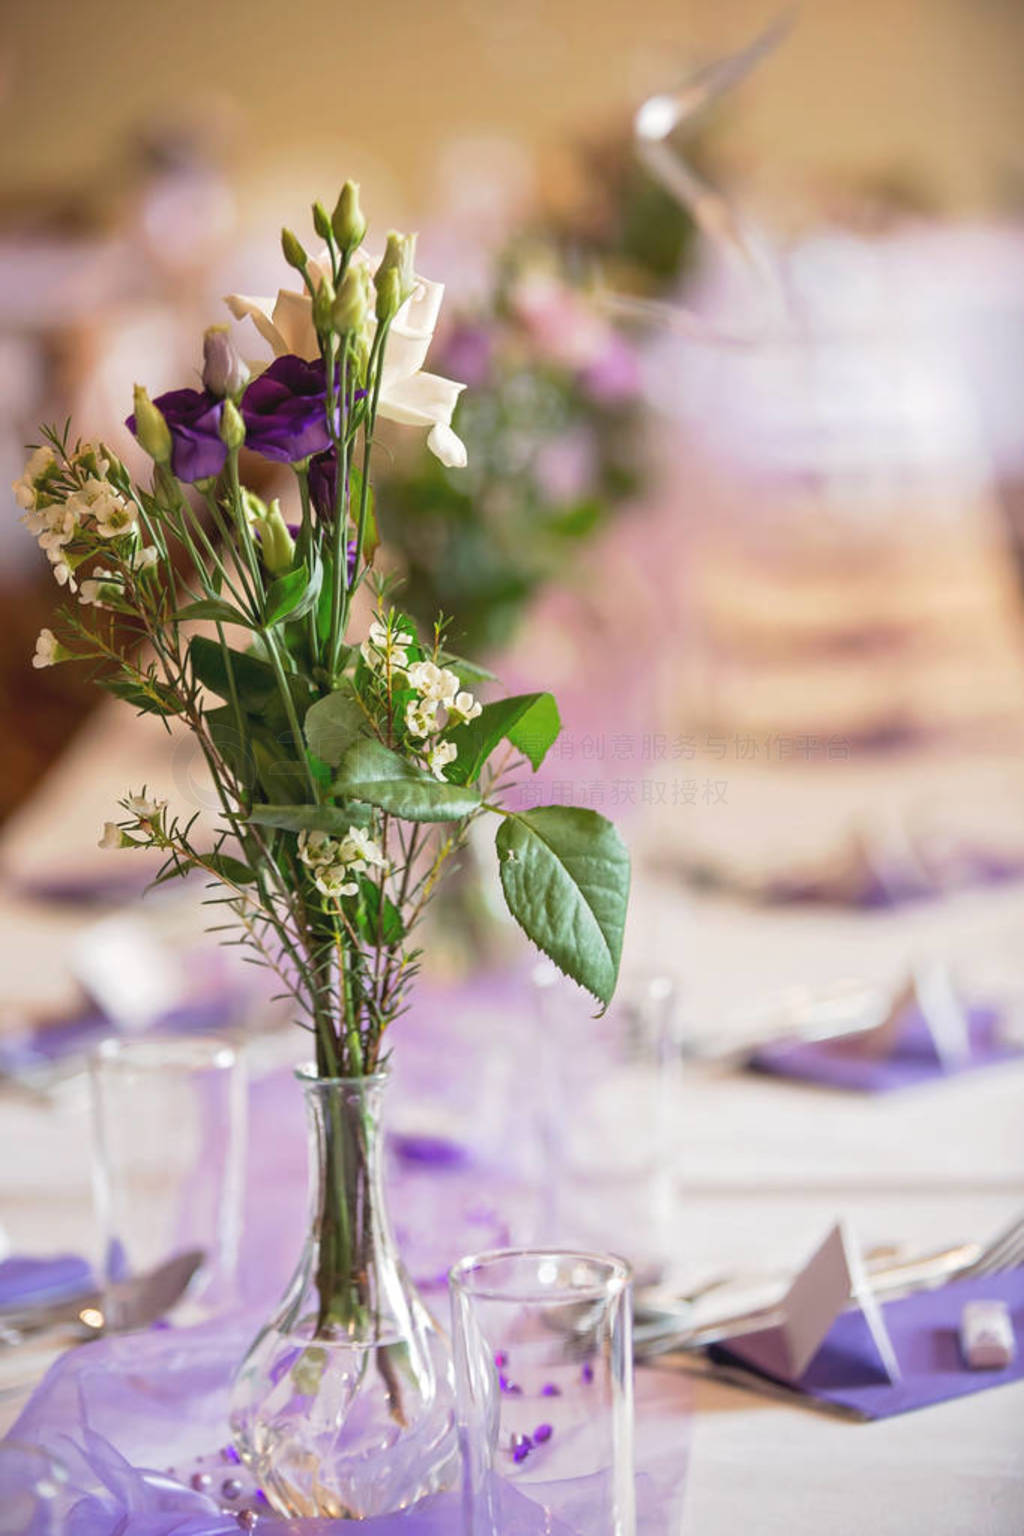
<point x="344" y="1405"/>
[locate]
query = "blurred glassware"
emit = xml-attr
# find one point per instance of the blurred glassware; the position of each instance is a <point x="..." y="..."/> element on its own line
<point x="607" y="1104"/>
<point x="544" y="1381"/>
<point x="169" y="1129"/>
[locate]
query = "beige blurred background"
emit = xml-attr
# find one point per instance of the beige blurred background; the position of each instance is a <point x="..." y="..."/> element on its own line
<point x="309" y="92"/>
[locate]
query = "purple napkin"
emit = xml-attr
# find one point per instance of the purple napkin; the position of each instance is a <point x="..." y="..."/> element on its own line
<point x="26" y="1282"/>
<point x="924" y="1329"/>
<point x="912" y="1058"/>
<point x="50" y="1042"/>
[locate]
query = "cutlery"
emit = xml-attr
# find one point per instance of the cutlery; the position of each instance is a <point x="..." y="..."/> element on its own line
<point x="659" y="1331"/>
<point x="129" y="1305"/>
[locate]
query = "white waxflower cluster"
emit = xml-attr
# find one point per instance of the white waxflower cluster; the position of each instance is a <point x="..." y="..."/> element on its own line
<point x="438" y="688"/>
<point x="104" y="587"/>
<point x="386" y="648"/>
<point x="56" y="516"/>
<point x="335" y="862"/>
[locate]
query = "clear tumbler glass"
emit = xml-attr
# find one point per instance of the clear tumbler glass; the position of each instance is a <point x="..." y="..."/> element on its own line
<point x="544" y="1381"/>
<point x="169" y="1120"/>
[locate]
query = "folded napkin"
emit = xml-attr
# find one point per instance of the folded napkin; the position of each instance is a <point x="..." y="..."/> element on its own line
<point x="26" y="1281"/>
<point x="911" y="1058"/>
<point x="924" y="1330"/>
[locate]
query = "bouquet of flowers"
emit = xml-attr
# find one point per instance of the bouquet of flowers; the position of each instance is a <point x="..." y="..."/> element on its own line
<point x="348" y="769"/>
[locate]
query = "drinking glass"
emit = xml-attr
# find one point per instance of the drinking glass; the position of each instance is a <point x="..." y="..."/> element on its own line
<point x="607" y="1101"/>
<point x="544" y="1384"/>
<point x="168" y="1118"/>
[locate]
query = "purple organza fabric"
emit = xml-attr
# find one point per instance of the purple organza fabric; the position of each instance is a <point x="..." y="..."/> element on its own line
<point x="121" y="1423"/>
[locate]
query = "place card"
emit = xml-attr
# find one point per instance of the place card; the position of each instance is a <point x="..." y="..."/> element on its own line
<point x="929" y="998"/>
<point x="830" y="1282"/>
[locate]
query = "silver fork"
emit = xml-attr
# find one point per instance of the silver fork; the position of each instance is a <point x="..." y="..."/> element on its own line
<point x="1004" y="1251"/>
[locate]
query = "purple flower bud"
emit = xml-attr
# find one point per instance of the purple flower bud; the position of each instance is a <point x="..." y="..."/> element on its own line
<point x="224" y="372"/>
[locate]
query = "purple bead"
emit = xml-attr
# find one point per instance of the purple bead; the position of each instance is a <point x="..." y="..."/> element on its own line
<point x="231" y="1487"/>
<point x="550" y="1390"/>
<point x="514" y="1389"/>
<point x="502" y="1382"/>
<point x="521" y="1445"/>
<point x="541" y="1433"/>
<point x="200" y="1481"/>
<point x="501" y="1359"/>
<point x="247" y="1519"/>
<point x="588" y="1371"/>
<point x="259" y="1497"/>
<point x="230" y="1454"/>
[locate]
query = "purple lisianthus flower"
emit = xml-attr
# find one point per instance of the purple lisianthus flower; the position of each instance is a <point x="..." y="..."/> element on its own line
<point x="193" y="418"/>
<point x="285" y="410"/>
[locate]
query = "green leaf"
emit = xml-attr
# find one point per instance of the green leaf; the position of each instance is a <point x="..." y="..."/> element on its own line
<point x="280" y="774"/>
<point x="214" y="608"/>
<point x="305" y="818"/>
<point x="293" y="594"/>
<point x="334" y="724"/>
<point x="528" y="720"/>
<point x="254" y="678"/>
<point x="372" y="772"/>
<point x="229" y="869"/>
<point x="467" y="672"/>
<point x="371" y="922"/>
<point x="565" y="874"/>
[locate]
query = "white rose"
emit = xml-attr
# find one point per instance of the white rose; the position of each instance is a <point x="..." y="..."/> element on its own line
<point x="408" y="395"/>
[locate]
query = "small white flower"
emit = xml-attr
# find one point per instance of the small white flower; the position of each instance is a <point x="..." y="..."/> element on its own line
<point x="99" y="503"/>
<point x="145" y="559"/>
<point x="421" y="717"/>
<point x="381" y="648"/>
<point x="333" y="880"/>
<point x="26" y="489"/>
<point x="60" y="527"/>
<point x="112" y="837"/>
<point x="463" y="708"/>
<point x="440" y="755"/>
<point x="435" y="684"/>
<point x="359" y="846"/>
<point x="146" y="809"/>
<point x="63" y="575"/>
<point x="48" y="650"/>
<point x="102" y="584"/>
<point x="317" y="849"/>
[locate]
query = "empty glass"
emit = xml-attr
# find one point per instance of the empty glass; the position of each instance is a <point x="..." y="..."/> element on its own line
<point x="607" y="1099"/>
<point x="168" y="1163"/>
<point x="544" y="1382"/>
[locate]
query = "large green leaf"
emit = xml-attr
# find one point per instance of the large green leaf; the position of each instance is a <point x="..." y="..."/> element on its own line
<point x="565" y="874"/>
<point x="306" y="818"/>
<point x="528" y="720"/>
<point x="254" y="678"/>
<point x="334" y="724"/>
<point x="372" y="772"/>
